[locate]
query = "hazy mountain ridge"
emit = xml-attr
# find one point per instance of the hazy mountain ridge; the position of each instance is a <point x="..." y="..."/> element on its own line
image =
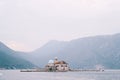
<point x="42" y="55"/>
<point x="92" y="51"/>
<point x="84" y="52"/>
<point x="9" y="59"/>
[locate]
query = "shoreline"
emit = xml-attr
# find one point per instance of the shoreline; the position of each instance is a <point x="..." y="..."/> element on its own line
<point x="73" y="70"/>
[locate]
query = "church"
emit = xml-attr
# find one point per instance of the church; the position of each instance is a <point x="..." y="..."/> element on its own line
<point x="56" y="65"/>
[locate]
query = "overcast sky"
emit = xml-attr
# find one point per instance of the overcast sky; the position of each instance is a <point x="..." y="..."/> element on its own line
<point x="28" y="24"/>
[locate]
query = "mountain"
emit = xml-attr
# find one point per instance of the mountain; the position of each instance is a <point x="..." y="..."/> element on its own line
<point x="86" y="52"/>
<point x="9" y="59"/>
<point x="42" y="55"/>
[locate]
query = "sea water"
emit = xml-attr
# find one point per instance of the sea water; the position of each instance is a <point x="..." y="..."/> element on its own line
<point x="17" y="75"/>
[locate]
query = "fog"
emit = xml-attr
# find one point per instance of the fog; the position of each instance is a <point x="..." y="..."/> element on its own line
<point x="29" y="24"/>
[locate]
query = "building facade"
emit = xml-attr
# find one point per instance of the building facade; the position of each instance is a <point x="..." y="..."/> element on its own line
<point x="56" y="65"/>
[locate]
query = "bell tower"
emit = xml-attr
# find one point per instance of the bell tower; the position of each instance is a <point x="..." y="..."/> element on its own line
<point x="56" y="60"/>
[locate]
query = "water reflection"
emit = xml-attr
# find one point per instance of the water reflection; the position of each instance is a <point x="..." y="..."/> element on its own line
<point x="17" y="75"/>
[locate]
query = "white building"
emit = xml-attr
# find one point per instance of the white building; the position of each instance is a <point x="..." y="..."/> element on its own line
<point x="56" y="65"/>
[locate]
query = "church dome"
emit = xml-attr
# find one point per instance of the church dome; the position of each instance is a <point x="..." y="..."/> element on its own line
<point x="51" y="61"/>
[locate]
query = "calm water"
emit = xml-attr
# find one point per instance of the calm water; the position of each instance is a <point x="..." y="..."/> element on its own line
<point x="17" y="75"/>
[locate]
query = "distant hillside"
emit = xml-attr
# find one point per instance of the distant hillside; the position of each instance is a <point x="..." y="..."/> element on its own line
<point x="42" y="55"/>
<point x="10" y="60"/>
<point x="86" y="52"/>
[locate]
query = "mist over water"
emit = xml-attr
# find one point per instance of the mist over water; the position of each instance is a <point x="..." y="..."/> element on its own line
<point x="17" y="75"/>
